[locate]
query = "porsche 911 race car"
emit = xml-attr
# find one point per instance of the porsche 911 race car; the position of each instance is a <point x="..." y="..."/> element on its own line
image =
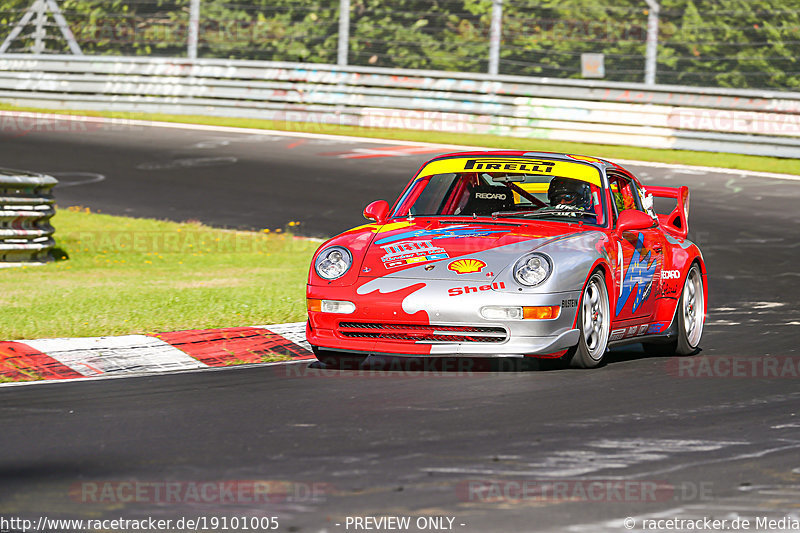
<point x="511" y="254"/>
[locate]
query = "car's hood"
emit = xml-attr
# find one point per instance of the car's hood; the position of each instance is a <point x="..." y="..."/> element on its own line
<point x="430" y="249"/>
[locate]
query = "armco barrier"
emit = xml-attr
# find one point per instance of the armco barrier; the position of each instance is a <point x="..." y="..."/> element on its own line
<point x="686" y="118"/>
<point x="26" y="206"/>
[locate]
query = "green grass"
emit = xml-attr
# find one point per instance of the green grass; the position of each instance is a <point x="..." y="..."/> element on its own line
<point x="724" y="160"/>
<point x="126" y="275"/>
<point x="27" y="375"/>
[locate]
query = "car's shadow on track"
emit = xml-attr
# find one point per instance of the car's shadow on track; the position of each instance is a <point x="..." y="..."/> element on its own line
<point x="467" y="365"/>
<point x="634" y="352"/>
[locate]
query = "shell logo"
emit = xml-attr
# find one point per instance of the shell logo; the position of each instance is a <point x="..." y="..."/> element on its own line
<point x="466" y="266"/>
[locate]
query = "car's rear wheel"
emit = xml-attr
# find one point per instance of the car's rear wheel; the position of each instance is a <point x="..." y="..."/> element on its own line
<point x="689" y="316"/>
<point x="594" y="322"/>
<point x="692" y="313"/>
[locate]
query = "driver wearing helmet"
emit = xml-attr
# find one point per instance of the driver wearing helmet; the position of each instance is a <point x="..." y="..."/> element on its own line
<point x="570" y="192"/>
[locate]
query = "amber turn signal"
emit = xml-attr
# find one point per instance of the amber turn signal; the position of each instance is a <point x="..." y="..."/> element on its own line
<point x="541" y="313"/>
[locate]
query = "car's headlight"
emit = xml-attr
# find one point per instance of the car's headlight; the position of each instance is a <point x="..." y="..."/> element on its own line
<point x="532" y="269"/>
<point x="333" y="262"/>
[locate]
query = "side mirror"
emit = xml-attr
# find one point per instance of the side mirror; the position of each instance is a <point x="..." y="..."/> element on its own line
<point x="631" y="220"/>
<point x="377" y="211"/>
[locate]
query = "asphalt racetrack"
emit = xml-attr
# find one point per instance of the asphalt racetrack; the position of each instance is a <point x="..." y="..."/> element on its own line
<point x="716" y="435"/>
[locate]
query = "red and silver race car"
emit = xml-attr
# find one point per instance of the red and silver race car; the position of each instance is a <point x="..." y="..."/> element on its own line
<point x="511" y="254"/>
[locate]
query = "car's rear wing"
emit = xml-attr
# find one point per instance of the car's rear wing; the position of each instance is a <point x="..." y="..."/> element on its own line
<point x="676" y="222"/>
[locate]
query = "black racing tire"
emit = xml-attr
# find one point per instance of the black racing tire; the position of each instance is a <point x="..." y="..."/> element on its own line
<point x="689" y="316"/>
<point x="594" y="324"/>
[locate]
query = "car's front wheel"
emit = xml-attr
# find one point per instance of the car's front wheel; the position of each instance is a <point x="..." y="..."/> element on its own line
<point x="594" y="322"/>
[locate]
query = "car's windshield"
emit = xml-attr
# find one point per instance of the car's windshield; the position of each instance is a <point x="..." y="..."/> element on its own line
<point x="550" y="190"/>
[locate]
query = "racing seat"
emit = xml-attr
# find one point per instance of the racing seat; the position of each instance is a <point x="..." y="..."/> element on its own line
<point x="487" y="199"/>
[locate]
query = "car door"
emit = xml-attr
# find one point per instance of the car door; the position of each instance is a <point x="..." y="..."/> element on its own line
<point x="639" y="261"/>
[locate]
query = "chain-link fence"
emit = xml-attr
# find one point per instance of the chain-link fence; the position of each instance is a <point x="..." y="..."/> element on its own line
<point x="725" y="43"/>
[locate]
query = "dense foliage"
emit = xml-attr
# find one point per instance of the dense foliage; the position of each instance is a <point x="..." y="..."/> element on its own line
<point x="728" y="43"/>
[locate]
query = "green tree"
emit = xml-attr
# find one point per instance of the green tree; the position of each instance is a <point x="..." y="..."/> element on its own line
<point x="726" y="43"/>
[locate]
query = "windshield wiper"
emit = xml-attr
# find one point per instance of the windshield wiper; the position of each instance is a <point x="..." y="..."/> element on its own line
<point x="444" y="221"/>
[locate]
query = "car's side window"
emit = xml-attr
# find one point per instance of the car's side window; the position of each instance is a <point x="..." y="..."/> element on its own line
<point x="623" y="193"/>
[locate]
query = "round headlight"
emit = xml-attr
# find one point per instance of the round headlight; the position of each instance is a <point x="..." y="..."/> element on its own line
<point x="532" y="270"/>
<point x="333" y="262"/>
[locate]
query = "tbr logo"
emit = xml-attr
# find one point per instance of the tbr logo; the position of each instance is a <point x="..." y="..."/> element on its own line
<point x="516" y="165"/>
<point x="671" y="274"/>
<point x="466" y="266"/>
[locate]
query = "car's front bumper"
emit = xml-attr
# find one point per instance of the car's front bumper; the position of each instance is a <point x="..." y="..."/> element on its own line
<point x="412" y="322"/>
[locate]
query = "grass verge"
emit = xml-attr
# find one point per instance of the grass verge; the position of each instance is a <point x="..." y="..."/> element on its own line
<point x="724" y="160"/>
<point x="126" y="275"/>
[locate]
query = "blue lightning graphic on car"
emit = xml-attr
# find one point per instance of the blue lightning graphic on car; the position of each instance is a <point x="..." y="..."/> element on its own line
<point x="639" y="275"/>
<point x="455" y="232"/>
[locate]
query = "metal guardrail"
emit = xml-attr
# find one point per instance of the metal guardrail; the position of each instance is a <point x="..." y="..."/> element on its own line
<point x="26" y="206"/>
<point x="669" y="117"/>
